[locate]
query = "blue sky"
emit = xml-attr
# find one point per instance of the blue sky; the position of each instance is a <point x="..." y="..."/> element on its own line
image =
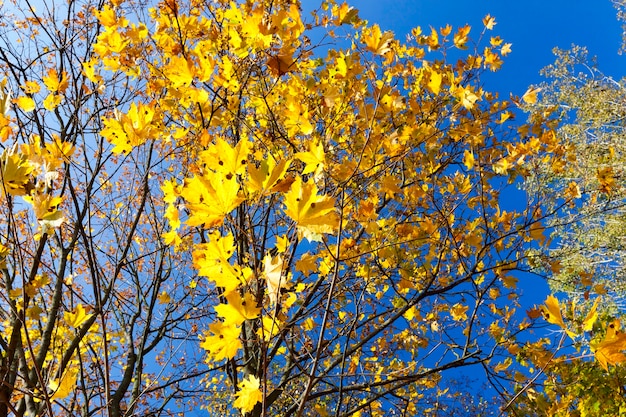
<point x="534" y="27"/>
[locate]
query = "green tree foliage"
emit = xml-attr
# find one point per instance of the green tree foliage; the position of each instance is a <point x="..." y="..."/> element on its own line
<point x="590" y="189"/>
<point x="586" y="264"/>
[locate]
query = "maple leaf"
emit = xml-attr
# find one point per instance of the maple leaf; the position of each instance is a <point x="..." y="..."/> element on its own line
<point x="25" y="103"/>
<point x="249" y="394"/>
<point x="376" y="41"/>
<point x="223" y="341"/>
<point x="65" y="385"/>
<point x="164" y="297"/>
<point x="211" y="197"/>
<point x="610" y="350"/>
<point x="15" y="170"/>
<point x="459" y="312"/>
<point x="530" y="96"/>
<point x="591" y="317"/>
<point x="315" y="158"/>
<point x="269" y="173"/>
<point x="468" y="159"/>
<point x="227" y="159"/>
<point x="52" y="101"/>
<point x="180" y="72"/>
<point x="313" y="214"/>
<point x="76" y="317"/>
<point x="212" y="261"/>
<point x="435" y="81"/>
<point x="461" y="37"/>
<point x="489" y="22"/>
<point x="45" y="208"/>
<point x="273" y="272"/>
<point x="552" y="314"/>
<point x="238" y="309"/>
<point x="53" y="83"/>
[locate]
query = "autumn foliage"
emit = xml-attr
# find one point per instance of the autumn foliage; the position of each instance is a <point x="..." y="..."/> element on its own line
<point x="252" y="209"/>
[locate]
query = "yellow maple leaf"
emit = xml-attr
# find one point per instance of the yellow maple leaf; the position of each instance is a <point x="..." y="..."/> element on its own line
<point x="268" y="174"/>
<point x="223" y="341"/>
<point x="591" y="317"/>
<point x="25" y="103"/>
<point x="489" y="22"/>
<point x="376" y="41"/>
<point x="52" y="101"/>
<point x="225" y="158"/>
<point x="238" y="309"/>
<point x="434" y="82"/>
<point x="315" y="158"/>
<point x="468" y="159"/>
<point x="610" y="350"/>
<point x="46" y="210"/>
<point x="65" y="385"/>
<point x="530" y="96"/>
<point x="459" y="312"/>
<point x="210" y="198"/>
<point x="54" y="83"/>
<point x="76" y="317"/>
<point x="249" y="394"/>
<point x="164" y="297"/>
<point x="552" y="311"/>
<point x="306" y="264"/>
<point x="212" y="261"/>
<point x="552" y="314"/>
<point x="461" y="38"/>
<point x="273" y="272"/>
<point x="314" y="214"/>
<point x="15" y="170"/>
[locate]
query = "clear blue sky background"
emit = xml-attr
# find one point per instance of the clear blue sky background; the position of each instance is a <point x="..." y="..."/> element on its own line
<point x="534" y="27"/>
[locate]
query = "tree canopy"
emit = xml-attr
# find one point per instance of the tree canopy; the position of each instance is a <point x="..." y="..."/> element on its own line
<point x="251" y="210"/>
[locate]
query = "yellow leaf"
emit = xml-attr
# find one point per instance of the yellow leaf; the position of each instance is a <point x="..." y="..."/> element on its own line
<point x="238" y="309"/>
<point x="267" y="176"/>
<point x="609" y="351"/>
<point x="435" y="81"/>
<point x="249" y="394"/>
<point x="273" y="272"/>
<point x="530" y="96"/>
<point x="210" y="198"/>
<point x="552" y="314"/>
<point x="459" y="312"/>
<point x="25" y="103"/>
<point x="16" y="173"/>
<point x="377" y="42"/>
<point x="313" y="214"/>
<point x="53" y="83"/>
<point x="314" y="159"/>
<point x="31" y="87"/>
<point x="77" y="317"/>
<point x="552" y="311"/>
<point x="164" y="297"/>
<point x="66" y="385"/>
<point x="468" y="159"/>
<point x="461" y="38"/>
<point x="489" y="22"/>
<point x="503" y="365"/>
<point x="230" y="160"/>
<point x="222" y="342"/>
<point x="52" y="101"/>
<point x="282" y="242"/>
<point x="591" y="318"/>
<point x="306" y="264"/>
